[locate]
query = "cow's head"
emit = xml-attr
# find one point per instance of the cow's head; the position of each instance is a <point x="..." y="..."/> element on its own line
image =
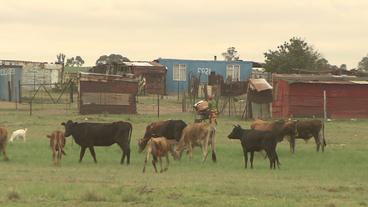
<point x="176" y="154"/>
<point x="291" y="128"/>
<point x="69" y="126"/>
<point x="140" y="145"/>
<point x="236" y="133"/>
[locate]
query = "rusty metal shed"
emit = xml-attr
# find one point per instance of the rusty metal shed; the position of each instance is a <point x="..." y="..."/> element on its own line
<point x="154" y="72"/>
<point x="307" y="96"/>
<point x="100" y="93"/>
<point x="259" y="98"/>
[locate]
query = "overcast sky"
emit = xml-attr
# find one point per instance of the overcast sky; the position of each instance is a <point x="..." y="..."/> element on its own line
<point x="38" y="30"/>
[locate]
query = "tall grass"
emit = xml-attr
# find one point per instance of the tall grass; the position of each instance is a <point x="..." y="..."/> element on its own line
<point x="337" y="177"/>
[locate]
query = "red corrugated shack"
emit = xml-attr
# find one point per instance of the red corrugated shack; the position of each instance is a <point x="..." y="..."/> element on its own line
<point x="100" y="93"/>
<point x="308" y="96"/>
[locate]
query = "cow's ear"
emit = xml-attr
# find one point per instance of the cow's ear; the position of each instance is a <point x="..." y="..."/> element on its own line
<point x="63" y="123"/>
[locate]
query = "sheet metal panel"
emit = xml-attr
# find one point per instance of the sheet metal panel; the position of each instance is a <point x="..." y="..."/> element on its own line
<point x="10" y="74"/>
<point x="99" y="93"/>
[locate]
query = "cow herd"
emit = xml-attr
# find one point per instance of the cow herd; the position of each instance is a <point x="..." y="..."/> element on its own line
<point x="176" y="137"/>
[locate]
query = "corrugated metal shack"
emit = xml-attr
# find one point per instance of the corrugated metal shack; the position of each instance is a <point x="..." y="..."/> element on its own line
<point x="10" y="80"/>
<point x="259" y="99"/>
<point x="154" y="72"/>
<point x="101" y="93"/>
<point x="302" y="96"/>
<point x="36" y="73"/>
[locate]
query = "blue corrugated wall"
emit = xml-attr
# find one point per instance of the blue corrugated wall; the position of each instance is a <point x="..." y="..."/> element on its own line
<point x="10" y="74"/>
<point x="205" y="67"/>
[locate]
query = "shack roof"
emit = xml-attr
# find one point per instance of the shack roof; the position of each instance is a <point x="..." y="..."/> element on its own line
<point x="322" y="79"/>
<point x="259" y="84"/>
<point x="98" y="77"/>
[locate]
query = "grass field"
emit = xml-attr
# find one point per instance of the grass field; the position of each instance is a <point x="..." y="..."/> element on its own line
<point x="337" y="177"/>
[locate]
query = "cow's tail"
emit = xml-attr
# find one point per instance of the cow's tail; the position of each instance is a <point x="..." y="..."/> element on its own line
<point x="212" y="135"/>
<point x="130" y="132"/>
<point x="323" y="131"/>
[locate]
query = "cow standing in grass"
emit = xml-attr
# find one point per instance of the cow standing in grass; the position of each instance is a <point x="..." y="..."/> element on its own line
<point x="57" y="143"/>
<point x="172" y="129"/>
<point x="159" y="147"/>
<point x="88" y="135"/>
<point x="152" y="128"/>
<point x="255" y="140"/>
<point x="307" y="130"/>
<point x="197" y="134"/>
<point x="279" y="127"/>
<point x="3" y="141"/>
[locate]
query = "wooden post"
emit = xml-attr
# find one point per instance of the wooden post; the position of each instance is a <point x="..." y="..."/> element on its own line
<point x="184" y="109"/>
<point x="9" y="91"/>
<point x="71" y="92"/>
<point x="16" y="106"/>
<point x="324" y="104"/>
<point x="20" y="92"/>
<point x="158" y="105"/>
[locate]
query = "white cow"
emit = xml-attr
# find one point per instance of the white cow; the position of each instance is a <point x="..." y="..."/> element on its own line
<point x="20" y="133"/>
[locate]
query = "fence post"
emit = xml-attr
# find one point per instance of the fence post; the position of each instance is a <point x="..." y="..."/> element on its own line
<point x="20" y="92"/>
<point x="9" y="91"/>
<point x="71" y="92"/>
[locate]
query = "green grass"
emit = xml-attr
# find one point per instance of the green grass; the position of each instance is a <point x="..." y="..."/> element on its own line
<point x="337" y="177"/>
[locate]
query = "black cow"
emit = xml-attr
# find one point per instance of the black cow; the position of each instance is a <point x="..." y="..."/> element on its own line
<point x="100" y="134"/>
<point x="255" y="140"/>
<point x="172" y="129"/>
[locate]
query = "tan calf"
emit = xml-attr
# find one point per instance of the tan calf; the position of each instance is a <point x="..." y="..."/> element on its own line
<point x="3" y="140"/>
<point x="159" y="147"/>
<point x="197" y="134"/>
<point x="57" y="143"/>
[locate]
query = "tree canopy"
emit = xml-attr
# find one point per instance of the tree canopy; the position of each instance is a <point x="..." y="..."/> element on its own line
<point x="78" y="61"/>
<point x="110" y="59"/>
<point x="230" y="54"/>
<point x="294" y="54"/>
<point x="363" y="64"/>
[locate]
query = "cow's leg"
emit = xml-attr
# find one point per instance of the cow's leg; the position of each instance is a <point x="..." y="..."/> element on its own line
<point x="3" y="147"/>
<point x="318" y="142"/>
<point x="92" y="151"/>
<point x="245" y="156"/>
<point x="292" y="144"/>
<point x="81" y="154"/>
<point x="320" y="138"/>
<point x="154" y="162"/>
<point x="53" y="156"/>
<point x="191" y="154"/>
<point x="126" y="152"/>
<point x="167" y="161"/>
<point x="145" y="163"/>
<point x="160" y="158"/>
<point x="251" y="159"/>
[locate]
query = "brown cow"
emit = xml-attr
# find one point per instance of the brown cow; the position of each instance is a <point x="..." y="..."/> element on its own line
<point x="3" y="141"/>
<point x="197" y="134"/>
<point x="279" y="127"/>
<point x="152" y="128"/>
<point x="159" y="147"/>
<point x="57" y="143"/>
<point x="307" y="130"/>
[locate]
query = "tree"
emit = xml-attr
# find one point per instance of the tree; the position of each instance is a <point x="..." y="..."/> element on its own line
<point x="110" y="59"/>
<point x="363" y="64"/>
<point x="230" y="54"/>
<point x="293" y="54"/>
<point x="78" y="61"/>
<point x="70" y="62"/>
<point x="60" y="58"/>
<point x="343" y="67"/>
